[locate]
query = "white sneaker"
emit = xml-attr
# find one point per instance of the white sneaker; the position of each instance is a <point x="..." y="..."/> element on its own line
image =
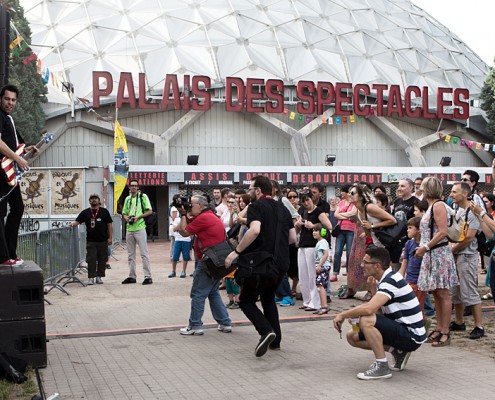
<point x="98" y="280"/>
<point x="91" y="281"/>
<point x="224" y="328"/>
<point x="190" y="331"/>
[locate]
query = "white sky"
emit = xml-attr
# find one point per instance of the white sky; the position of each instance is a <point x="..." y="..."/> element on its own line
<point x="471" y="21"/>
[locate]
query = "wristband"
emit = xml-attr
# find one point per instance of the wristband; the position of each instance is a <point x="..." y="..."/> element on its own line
<point x="236" y="252"/>
<point x="426" y="247"/>
<point x="482" y="214"/>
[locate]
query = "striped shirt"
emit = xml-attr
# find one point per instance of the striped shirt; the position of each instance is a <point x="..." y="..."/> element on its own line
<point x="403" y="305"/>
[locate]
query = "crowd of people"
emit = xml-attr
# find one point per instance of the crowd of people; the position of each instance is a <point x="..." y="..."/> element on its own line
<point x="397" y="279"/>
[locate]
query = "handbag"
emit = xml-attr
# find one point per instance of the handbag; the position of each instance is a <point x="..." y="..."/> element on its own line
<point x="259" y="265"/>
<point x="336" y="230"/>
<point x="214" y="259"/>
<point x="390" y="236"/>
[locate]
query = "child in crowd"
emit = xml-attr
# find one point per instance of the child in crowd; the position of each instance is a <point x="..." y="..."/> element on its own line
<point x="410" y="264"/>
<point x="420" y="208"/>
<point x="181" y="245"/>
<point x="322" y="263"/>
<point x="233" y="291"/>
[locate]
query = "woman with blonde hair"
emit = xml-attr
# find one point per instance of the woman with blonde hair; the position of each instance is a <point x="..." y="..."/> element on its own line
<point x="438" y="272"/>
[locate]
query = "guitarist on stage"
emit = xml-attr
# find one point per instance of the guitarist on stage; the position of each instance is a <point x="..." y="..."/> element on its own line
<point x="9" y="142"/>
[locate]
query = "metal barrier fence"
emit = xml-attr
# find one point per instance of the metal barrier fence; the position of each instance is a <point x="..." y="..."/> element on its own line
<point x="58" y="252"/>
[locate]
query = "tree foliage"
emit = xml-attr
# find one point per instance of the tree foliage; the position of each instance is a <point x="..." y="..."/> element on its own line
<point x="28" y="114"/>
<point x="488" y="100"/>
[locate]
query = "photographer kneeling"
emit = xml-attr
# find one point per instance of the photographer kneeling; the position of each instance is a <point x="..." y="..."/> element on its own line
<point x="196" y="218"/>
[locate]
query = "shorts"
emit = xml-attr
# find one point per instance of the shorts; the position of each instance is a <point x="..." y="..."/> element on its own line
<point x="322" y="277"/>
<point x="182" y="247"/>
<point x="467" y="270"/>
<point x="394" y="334"/>
<point x="231" y="287"/>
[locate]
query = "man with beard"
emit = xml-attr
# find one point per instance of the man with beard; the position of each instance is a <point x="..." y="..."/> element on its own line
<point x="270" y="229"/>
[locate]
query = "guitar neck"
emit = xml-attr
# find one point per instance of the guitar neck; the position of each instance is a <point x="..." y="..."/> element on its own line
<point x="31" y="152"/>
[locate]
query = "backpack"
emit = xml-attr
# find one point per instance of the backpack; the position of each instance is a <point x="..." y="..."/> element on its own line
<point x="390" y="236"/>
<point x="151" y="219"/>
<point x="457" y="227"/>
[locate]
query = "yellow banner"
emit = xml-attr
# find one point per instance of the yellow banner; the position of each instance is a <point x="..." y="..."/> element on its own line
<point x="121" y="164"/>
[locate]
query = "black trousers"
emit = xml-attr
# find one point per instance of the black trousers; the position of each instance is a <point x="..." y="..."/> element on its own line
<point x="96" y="256"/>
<point x="9" y="229"/>
<point x="267" y="320"/>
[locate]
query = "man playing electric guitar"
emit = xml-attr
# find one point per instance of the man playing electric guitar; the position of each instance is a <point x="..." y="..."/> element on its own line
<point x="9" y="141"/>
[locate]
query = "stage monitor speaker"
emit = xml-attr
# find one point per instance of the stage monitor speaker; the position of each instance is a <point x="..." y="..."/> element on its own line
<point x="25" y="340"/>
<point x="21" y="292"/>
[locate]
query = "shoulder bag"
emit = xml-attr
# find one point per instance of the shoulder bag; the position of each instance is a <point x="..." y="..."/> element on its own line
<point x="151" y="219"/>
<point x="214" y="259"/>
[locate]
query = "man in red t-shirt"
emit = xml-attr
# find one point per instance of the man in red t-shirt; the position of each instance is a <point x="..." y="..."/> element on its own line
<point x="209" y="231"/>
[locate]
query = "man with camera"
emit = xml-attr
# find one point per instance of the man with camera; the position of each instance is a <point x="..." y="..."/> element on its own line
<point x="270" y="230"/>
<point x="197" y="218"/>
<point x="136" y="207"/>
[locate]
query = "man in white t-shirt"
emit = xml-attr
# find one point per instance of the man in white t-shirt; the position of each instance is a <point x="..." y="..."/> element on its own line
<point x="182" y="244"/>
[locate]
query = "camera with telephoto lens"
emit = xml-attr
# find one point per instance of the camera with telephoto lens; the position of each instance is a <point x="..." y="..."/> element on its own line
<point x="182" y="202"/>
<point x="132" y="219"/>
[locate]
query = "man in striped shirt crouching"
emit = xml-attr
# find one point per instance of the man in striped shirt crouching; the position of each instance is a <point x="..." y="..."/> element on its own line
<point x="391" y="321"/>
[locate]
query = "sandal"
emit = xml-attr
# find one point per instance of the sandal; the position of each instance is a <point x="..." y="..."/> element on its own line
<point x="303" y="307"/>
<point x="310" y="309"/>
<point x="439" y="342"/>
<point x="348" y="294"/>
<point x="432" y="337"/>
<point x="487" y="296"/>
<point x="323" y="310"/>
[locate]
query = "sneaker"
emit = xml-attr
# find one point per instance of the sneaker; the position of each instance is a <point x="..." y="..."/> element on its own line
<point x="172" y="275"/>
<point x="263" y="344"/>
<point x="457" y="327"/>
<point x="98" y="280"/>
<point x="182" y="274"/>
<point x="224" y="328"/>
<point x="287" y="302"/>
<point x="234" y="306"/>
<point x="17" y="261"/>
<point x="229" y="304"/>
<point x="7" y="263"/>
<point x="377" y="370"/>
<point x="400" y="359"/>
<point x="147" y="281"/>
<point x="190" y="331"/>
<point x="334" y="278"/>
<point x="128" y="280"/>
<point x="477" y="333"/>
<point x="91" y="281"/>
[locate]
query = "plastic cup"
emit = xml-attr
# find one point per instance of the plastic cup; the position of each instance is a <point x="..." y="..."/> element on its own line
<point x="355" y="324"/>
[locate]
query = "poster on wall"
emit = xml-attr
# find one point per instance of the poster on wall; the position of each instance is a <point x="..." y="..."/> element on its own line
<point x="66" y="191"/>
<point x="34" y="190"/>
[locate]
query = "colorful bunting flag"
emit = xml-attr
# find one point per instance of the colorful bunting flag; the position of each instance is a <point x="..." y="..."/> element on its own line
<point x="470" y="144"/>
<point x="292" y="115"/>
<point x="337" y="120"/>
<point x="463" y="142"/>
<point x="300" y="118"/>
<point x="447" y="138"/>
<point x="308" y="119"/>
<point x="455" y="140"/>
<point x="478" y="146"/>
<point x="330" y="121"/>
<point x="352" y="118"/>
<point x="324" y="120"/>
<point x="487" y="147"/>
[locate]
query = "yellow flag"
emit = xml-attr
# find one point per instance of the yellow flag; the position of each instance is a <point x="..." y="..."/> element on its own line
<point x="121" y="164"/>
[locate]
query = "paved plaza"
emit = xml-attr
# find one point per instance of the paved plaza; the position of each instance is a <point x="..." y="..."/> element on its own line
<point x="115" y="341"/>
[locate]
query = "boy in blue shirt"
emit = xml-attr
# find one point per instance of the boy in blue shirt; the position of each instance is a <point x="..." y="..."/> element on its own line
<point x="410" y="264"/>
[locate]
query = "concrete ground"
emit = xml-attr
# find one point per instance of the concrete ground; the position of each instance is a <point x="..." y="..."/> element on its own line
<point x="115" y="341"/>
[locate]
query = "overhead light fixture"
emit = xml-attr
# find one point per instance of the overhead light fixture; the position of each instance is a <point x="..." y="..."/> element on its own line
<point x="192" y="159"/>
<point x="330" y="159"/>
<point x="445" y="161"/>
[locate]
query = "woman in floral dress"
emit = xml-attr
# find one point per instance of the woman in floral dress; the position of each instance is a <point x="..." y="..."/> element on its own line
<point x="438" y="272"/>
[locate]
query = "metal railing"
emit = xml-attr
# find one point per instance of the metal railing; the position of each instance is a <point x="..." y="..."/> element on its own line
<point x="58" y="252"/>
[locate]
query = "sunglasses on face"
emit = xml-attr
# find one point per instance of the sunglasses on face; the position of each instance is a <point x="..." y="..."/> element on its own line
<point x="466" y="180"/>
<point x="292" y="197"/>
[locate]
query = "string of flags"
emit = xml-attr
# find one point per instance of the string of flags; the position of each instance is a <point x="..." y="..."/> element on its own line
<point x="340" y="120"/>
<point x="19" y="46"/>
<point x="470" y="144"/>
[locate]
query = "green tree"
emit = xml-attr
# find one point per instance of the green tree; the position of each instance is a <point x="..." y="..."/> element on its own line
<point x="28" y="114"/>
<point x="488" y="100"/>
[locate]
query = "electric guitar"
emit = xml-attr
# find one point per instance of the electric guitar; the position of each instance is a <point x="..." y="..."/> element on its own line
<point x="12" y="172"/>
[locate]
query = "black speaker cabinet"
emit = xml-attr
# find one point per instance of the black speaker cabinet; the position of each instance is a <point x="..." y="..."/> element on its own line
<point x="21" y="292"/>
<point x="25" y="340"/>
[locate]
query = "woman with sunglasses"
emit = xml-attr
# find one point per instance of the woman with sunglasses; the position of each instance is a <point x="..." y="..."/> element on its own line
<point x="310" y="215"/>
<point x="369" y="217"/>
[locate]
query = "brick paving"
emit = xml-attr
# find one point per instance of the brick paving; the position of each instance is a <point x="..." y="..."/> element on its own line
<point x="115" y="341"/>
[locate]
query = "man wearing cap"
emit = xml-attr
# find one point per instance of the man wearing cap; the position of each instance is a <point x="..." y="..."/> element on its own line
<point x="99" y="232"/>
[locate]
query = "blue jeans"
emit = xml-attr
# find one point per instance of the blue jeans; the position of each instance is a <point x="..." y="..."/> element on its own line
<point x="344" y="238"/>
<point x="283" y="289"/>
<point x="203" y="287"/>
